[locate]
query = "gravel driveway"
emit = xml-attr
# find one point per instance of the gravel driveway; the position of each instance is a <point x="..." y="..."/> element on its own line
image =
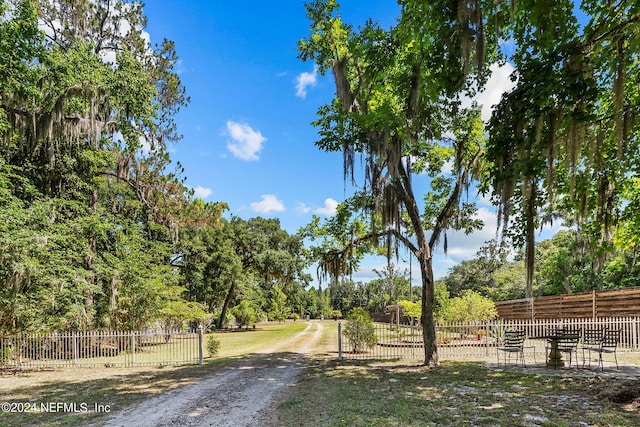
<point x="240" y="395"/>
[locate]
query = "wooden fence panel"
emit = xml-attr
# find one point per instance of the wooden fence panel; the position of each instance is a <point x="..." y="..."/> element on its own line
<point x="621" y="302"/>
<point x="612" y="303"/>
<point x="515" y="309"/>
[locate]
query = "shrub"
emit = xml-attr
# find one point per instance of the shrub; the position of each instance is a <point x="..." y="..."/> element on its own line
<point x="5" y="354"/>
<point x="470" y="306"/>
<point x="244" y="313"/>
<point x="359" y="330"/>
<point x="335" y="314"/>
<point x="411" y="309"/>
<point x="213" y="345"/>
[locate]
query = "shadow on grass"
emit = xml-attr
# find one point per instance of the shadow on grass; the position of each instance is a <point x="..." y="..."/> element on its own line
<point x="357" y="393"/>
<point x="347" y="393"/>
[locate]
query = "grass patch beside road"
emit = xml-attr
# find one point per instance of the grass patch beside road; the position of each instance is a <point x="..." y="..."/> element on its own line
<point x="454" y="394"/>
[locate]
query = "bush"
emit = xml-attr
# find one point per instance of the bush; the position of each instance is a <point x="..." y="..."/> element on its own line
<point x="411" y="309"/>
<point x="245" y="314"/>
<point x="470" y="306"/>
<point x="359" y="330"/>
<point x="213" y="345"/>
<point x="5" y="355"/>
<point x="335" y="314"/>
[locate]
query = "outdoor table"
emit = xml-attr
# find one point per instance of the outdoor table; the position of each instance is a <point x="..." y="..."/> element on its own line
<point x="554" y="359"/>
<point x="555" y="356"/>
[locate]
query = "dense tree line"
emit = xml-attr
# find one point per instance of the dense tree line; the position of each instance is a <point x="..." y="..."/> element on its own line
<point x="565" y="263"/>
<point x="97" y="228"/>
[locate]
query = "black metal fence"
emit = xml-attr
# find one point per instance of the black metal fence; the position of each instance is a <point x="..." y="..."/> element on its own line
<point x="471" y="341"/>
<point x="101" y="348"/>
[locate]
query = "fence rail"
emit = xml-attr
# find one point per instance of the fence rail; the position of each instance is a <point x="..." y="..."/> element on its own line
<point x="476" y="341"/>
<point x="101" y="348"/>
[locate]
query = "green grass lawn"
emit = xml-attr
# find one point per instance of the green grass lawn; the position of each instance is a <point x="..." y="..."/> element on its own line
<point x="454" y="394"/>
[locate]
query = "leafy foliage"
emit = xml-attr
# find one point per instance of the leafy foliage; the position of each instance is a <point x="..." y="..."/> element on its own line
<point x="244" y="313"/>
<point x="359" y="330"/>
<point x="97" y="228"/>
<point x="470" y="306"/>
<point x="411" y="309"/>
<point x="565" y="139"/>
<point x="213" y="345"/>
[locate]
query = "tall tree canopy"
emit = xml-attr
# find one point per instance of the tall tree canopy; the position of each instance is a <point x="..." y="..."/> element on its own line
<point x="561" y="144"/>
<point x="564" y="142"/>
<point x="92" y="214"/>
<point x="396" y="107"/>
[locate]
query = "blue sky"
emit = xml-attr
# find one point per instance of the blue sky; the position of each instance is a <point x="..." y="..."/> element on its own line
<point x="248" y="138"/>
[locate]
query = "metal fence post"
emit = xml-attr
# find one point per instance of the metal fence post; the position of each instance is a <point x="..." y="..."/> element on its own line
<point x="133" y="348"/>
<point x="74" y="350"/>
<point x="200" y="345"/>
<point x="339" y="340"/>
<point x="487" y="327"/>
<point x="413" y="340"/>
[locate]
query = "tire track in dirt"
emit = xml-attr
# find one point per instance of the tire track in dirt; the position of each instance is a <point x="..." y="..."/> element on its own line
<point x="237" y="396"/>
<point x="301" y="343"/>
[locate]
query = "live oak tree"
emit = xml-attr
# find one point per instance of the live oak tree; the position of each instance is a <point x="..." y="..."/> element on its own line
<point x="397" y="109"/>
<point x="237" y="260"/>
<point x="564" y="142"/>
<point x="329" y="246"/>
<point x="273" y="266"/>
<point x="97" y="226"/>
<point x="86" y="110"/>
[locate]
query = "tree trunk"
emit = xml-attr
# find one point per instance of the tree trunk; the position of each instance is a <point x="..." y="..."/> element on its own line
<point x="427" y="319"/>
<point x="423" y="254"/>
<point x="225" y="306"/>
<point x="113" y="302"/>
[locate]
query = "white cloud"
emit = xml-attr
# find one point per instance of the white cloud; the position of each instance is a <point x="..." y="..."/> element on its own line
<point x="245" y="142"/>
<point x="145" y="145"/>
<point x="268" y="203"/>
<point x="465" y="246"/>
<point x="499" y="83"/>
<point x="202" y="192"/>
<point x="329" y="208"/>
<point x="305" y="80"/>
<point x="302" y="208"/>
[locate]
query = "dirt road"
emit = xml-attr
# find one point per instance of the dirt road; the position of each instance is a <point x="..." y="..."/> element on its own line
<point x="241" y="395"/>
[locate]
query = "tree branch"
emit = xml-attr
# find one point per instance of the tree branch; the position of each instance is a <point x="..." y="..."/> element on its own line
<point x="453" y="200"/>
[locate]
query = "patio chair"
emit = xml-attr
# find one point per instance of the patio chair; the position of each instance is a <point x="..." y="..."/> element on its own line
<point x="591" y="338"/>
<point x="569" y="344"/>
<point x="608" y="345"/>
<point x="512" y="343"/>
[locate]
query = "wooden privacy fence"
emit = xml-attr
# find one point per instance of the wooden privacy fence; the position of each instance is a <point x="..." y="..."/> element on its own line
<point x="101" y="349"/>
<point x="595" y="304"/>
<point x="475" y="341"/>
